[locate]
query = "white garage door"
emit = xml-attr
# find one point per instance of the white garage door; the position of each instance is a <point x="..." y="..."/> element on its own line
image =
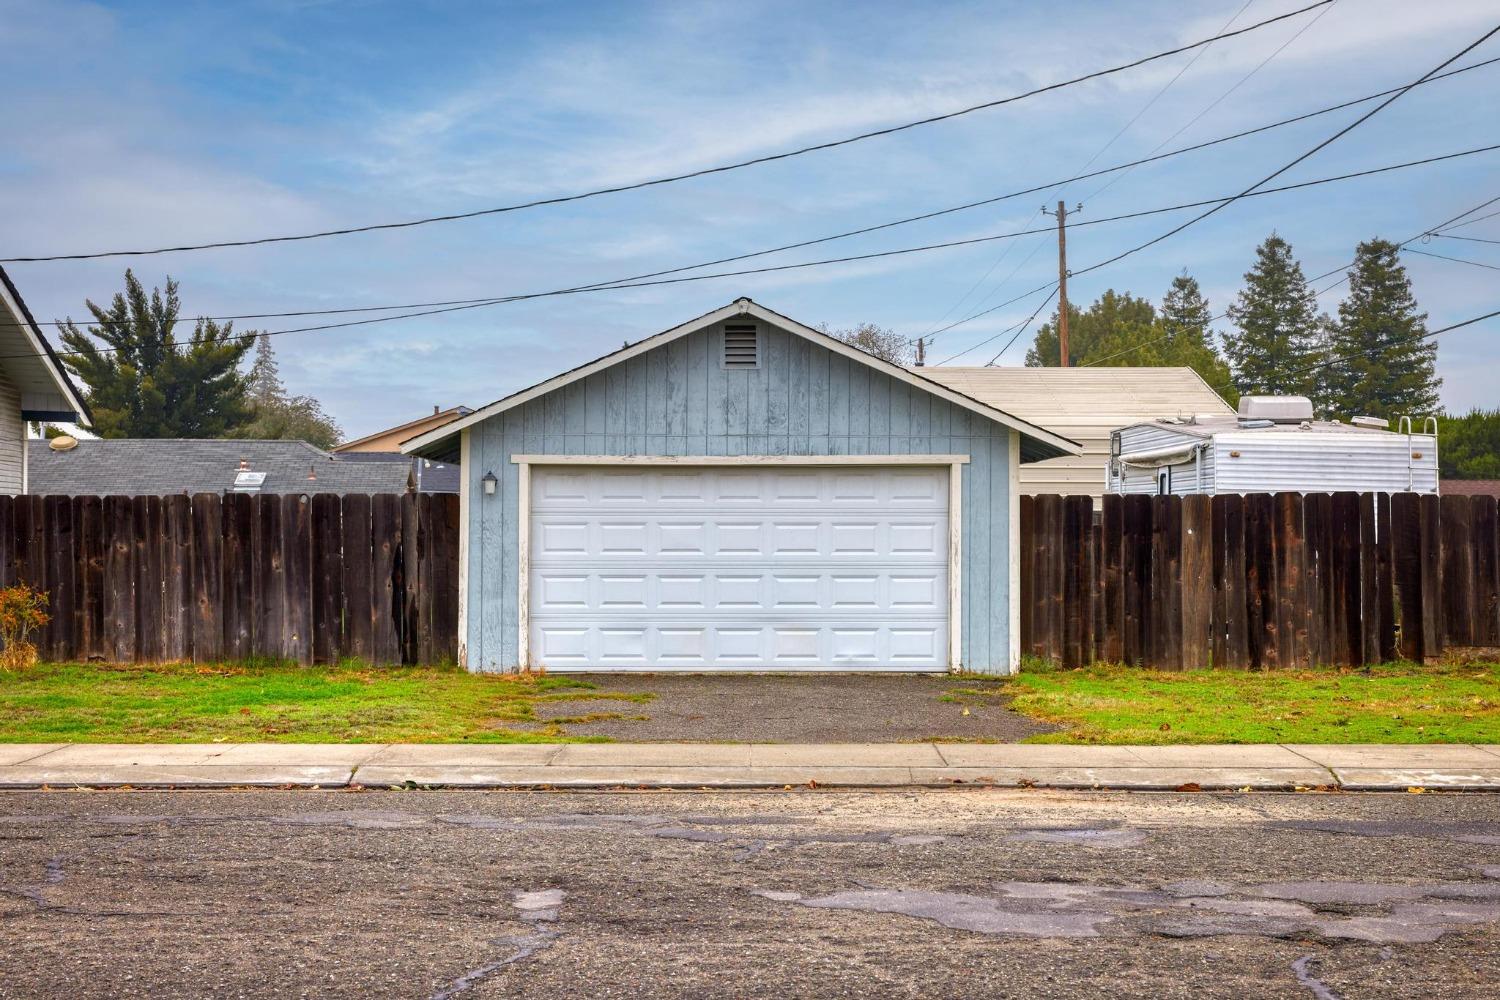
<point x="739" y="568"/>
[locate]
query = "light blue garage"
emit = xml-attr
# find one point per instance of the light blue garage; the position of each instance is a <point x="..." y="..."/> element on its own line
<point x="740" y="492"/>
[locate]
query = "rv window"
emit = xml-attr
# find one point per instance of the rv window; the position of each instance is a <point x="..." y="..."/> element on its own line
<point x="1164" y="481"/>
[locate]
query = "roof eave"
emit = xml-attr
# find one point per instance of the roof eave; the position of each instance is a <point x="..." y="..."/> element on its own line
<point x="440" y="440"/>
<point x="64" y="382"/>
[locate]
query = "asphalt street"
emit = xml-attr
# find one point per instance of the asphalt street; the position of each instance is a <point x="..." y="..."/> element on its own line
<point x="803" y="893"/>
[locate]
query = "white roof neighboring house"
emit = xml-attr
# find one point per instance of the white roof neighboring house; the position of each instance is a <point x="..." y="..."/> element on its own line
<point x="1084" y="404"/>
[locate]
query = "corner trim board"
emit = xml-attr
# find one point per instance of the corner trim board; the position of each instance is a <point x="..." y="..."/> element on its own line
<point x="463" y="547"/>
<point x="1013" y="556"/>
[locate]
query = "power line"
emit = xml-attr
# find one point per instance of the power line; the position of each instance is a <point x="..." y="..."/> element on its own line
<point x="1288" y="166"/>
<point x="901" y="251"/>
<point x="1199" y="204"/>
<point x="1090" y="162"/>
<point x="1221" y="98"/>
<point x="1480" y="219"/>
<point x="1154" y="156"/>
<point x="706" y="171"/>
<point x="1471" y="239"/>
<point x="1305" y="282"/>
<point x="1456" y="260"/>
<point x="866" y="229"/>
<point x="1016" y="335"/>
<point x="1018" y="327"/>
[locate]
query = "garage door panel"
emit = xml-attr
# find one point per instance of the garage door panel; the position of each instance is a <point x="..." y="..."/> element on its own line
<point x="710" y="568"/>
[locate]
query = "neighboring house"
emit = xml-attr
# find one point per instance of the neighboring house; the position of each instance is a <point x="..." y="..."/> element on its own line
<point x="1470" y="487"/>
<point x="143" y="466"/>
<point x="1274" y="445"/>
<point x="1086" y="404"/>
<point x="740" y="492"/>
<point x="33" y="386"/>
<point x="389" y="440"/>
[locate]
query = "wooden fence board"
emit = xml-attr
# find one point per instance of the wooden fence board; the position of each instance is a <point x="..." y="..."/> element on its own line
<point x="1197" y="581"/>
<point x="1484" y="521"/>
<point x="1457" y="568"/>
<point x="385" y="535"/>
<point x="88" y="523"/>
<point x="119" y="578"/>
<point x="149" y="574"/>
<point x="440" y="560"/>
<point x="1111" y="647"/>
<point x="1368" y="611"/>
<point x="239" y="575"/>
<point x="1429" y="519"/>
<point x="358" y="636"/>
<point x="296" y="562"/>
<point x="1385" y="552"/>
<point x="62" y="581"/>
<point x="207" y="576"/>
<point x="327" y="573"/>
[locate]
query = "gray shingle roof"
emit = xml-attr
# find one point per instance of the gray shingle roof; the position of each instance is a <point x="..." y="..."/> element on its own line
<point x="139" y="466"/>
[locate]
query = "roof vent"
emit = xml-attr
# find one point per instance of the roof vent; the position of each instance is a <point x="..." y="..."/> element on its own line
<point x="741" y="345"/>
<point x="63" y="442"/>
<point x="1374" y="423"/>
<point x="246" y="481"/>
<point x="1277" y="409"/>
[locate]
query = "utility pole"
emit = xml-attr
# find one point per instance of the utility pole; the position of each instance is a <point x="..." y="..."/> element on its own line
<point x="1061" y="215"/>
<point x="921" y="352"/>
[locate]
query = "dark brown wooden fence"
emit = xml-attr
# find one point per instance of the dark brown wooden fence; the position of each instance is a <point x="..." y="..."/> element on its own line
<point x="1263" y="580"/>
<point x="312" y="579"/>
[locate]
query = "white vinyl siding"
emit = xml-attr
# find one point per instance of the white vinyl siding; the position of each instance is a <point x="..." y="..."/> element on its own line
<point x="12" y="438"/>
<point x="734" y="568"/>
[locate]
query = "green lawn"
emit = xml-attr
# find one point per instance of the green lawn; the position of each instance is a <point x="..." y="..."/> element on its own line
<point x="187" y="703"/>
<point x="1395" y="703"/>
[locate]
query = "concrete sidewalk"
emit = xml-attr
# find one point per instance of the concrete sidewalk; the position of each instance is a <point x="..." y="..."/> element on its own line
<point x="756" y="765"/>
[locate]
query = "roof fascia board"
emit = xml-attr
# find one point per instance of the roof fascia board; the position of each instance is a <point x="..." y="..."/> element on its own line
<point x="740" y="307"/>
<point x="43" y="349"/>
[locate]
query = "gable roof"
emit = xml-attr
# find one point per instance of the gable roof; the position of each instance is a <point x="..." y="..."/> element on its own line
<point x="1084" y="399"/>
<point x="411" y="428"/>
<point x="163" y="466"/>
<point x="1037" y="443"/>
<point x="47" y="391"/>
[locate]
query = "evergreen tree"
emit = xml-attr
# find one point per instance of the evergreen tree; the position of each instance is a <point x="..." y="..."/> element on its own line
<point x="264" y="382"/>
<point x="1469" y="446"/>
<point x="276" y="416"/>
<point x="144" y="382"/>
<point x="1185" y="337"/>
<point x="1382" y="362"/>
<point x="1114" y="319"/>
<point x="1278" y="330"/>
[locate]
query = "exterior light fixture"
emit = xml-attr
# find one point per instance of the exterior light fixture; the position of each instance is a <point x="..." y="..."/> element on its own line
<point x="490" y="484"/>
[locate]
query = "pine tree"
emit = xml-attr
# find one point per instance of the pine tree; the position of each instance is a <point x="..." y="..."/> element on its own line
<point x="1278" y="330"/>
<point x="265" y="385"/>
<point x="1382" y="362"/>
<point x="276" y="416"/>
<point x="1113" y="319"/>
<point x="143" y="382"/>
<point x="1186" y="338"/>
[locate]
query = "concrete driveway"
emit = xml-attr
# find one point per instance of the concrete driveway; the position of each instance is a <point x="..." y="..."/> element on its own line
<point x="795" y="708"/>
<point x="982" y="893"/>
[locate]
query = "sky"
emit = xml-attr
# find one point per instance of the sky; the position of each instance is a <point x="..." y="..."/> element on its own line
<point x="148" y="124"/>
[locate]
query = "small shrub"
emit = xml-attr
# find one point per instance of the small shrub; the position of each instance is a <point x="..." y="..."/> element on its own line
<point x="22" y="610"/>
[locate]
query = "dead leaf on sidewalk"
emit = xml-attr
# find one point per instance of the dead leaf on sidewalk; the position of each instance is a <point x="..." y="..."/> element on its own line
<point x="1189" y="786"/>
<point x="1417" y="790"/>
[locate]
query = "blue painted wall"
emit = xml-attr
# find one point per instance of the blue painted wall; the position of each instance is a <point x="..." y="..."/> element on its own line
<point x="677" y="400"/>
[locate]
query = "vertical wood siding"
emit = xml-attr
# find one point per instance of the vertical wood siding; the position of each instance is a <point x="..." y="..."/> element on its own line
<point x="677" y="400"/>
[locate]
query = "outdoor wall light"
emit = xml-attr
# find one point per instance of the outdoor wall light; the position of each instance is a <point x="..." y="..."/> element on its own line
<point x="490" y="483"/>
